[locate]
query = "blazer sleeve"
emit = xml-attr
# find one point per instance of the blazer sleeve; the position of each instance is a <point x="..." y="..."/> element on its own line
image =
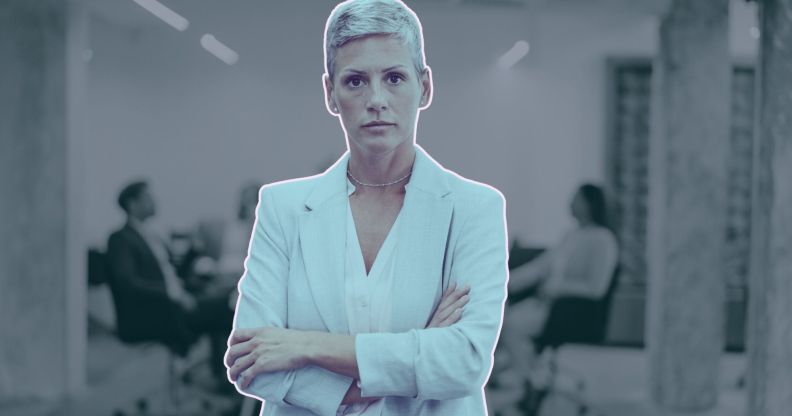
<point x="262" y="303"/>
<point x="450" y="362"/>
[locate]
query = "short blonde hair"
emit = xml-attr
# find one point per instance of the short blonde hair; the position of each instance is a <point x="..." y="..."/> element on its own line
<point x="355" y="19"/>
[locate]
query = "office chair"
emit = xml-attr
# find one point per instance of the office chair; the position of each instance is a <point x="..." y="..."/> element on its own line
<point x="571" y="320"/>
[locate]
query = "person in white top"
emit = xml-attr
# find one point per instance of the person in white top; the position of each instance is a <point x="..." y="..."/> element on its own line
<point x="581" y="264"/>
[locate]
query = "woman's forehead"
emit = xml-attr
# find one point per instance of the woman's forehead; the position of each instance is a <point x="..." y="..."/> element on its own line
<point x="375" y="52"/>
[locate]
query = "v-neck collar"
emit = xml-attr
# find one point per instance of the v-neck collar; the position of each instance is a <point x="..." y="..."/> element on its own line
<point x="385" y="250"/>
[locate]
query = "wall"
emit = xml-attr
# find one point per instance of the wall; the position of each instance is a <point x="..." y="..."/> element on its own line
<point x="160" y="107"/>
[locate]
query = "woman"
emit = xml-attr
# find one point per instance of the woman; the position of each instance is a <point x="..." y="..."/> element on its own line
<point x="581" y="265"/>
<point x="362" y="263"/>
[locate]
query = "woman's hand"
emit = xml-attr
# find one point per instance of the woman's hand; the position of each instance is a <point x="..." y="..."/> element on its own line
<point x="450" y="308"/>
<point x="261" y="350"/>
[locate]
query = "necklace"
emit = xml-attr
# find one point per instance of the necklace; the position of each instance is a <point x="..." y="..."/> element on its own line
<point x="379" y="184"/>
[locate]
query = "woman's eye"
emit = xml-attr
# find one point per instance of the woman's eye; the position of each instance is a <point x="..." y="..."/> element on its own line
<point x="354" y="82"/>
<point x="395" y="78"/>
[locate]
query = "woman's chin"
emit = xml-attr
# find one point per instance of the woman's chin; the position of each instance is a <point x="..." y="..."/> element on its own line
<point x="378" y="144"/>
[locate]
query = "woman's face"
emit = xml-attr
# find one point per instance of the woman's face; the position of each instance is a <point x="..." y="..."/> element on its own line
<point x="377" y="92"/>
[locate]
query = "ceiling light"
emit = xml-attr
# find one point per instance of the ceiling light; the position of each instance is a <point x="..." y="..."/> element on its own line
<point x="165" y="14"/>
<point x="514" y="55"/>
<point x="218" y="49"/>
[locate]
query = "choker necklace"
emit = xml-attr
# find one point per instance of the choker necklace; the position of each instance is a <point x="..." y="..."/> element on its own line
<point x="379" y="184"/>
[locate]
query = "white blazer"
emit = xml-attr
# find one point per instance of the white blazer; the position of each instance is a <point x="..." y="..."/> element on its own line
<point x="453" y="230"/>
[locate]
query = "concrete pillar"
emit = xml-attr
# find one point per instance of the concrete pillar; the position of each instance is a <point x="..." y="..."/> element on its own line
<point x="687" y="216"/>
<point x="770" y="304"/>
<point x="42" y="319"/>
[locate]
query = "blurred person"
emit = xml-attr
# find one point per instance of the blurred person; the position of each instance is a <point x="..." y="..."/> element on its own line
<point x="581" y="264"/>
<point x="223" y="244"/>
<point x="151" y="299"/>
<point x="377" y="287"/>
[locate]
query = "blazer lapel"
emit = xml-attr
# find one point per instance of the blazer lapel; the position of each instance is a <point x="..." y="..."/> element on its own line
<point x="420" y="256"/>
<point x="322" y="233"/>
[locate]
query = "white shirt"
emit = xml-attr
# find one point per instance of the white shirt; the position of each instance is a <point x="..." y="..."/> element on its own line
<point x="367" y="297"/>
<point x="581" y="264"/>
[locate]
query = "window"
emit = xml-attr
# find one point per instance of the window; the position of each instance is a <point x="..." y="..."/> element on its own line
<point x="628" y="169"/>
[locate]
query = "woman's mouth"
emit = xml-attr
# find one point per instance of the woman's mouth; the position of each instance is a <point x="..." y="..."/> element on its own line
<point x="377" y="127"/>
<point x="375" y="124"/>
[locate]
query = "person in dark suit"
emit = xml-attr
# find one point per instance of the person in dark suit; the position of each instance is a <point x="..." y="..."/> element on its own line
<point x="151" y="300"/>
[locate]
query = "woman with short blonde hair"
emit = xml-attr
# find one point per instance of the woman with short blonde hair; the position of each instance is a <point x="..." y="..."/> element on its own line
<point x="377" y="287"/>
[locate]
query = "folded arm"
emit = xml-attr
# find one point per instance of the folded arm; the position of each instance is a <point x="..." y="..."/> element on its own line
<point x="336" y="352"/>
<point x="262" y="303"/>
<point x="450" y="362"/>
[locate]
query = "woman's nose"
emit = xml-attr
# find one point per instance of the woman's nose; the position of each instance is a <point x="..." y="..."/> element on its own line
<point x="377" y="100"/>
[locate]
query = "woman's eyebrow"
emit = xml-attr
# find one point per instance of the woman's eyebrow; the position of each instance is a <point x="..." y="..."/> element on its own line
<point x="361" y="72"/>
<point x="354" y="71"/>
<point x="393" y="67"/>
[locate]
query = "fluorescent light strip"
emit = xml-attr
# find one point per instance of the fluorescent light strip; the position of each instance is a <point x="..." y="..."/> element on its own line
<point x="517" y="52"/>
<point x="165" y="14"/>
<point x="218" y="49"/>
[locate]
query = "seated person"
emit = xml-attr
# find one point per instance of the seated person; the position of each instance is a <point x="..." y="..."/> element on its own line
<point x="150" y="298"/>
<point x="581" y="265"/>
<point x="223" y="244"/>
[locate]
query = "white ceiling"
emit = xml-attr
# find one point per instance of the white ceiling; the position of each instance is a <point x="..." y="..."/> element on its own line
<point x="128" y="13"/>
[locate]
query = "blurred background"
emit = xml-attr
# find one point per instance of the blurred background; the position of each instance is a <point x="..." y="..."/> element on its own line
<point x="656" y="102"/>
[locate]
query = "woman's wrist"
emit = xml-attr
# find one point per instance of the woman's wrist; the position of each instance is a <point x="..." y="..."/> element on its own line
<point x="310" y="347"/>
<point x="333" y="352"/>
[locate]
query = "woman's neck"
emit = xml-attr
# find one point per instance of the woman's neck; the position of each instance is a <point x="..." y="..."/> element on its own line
<point x="382" y="169"/>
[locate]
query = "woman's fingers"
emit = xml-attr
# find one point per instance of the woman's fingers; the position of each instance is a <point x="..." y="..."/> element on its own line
<point x="452" y="299"/>
<point x="446" y="296"/>
<point x="459" y="303"/>
<point x="247" y="376"/>
<point x="239" y="366"/>
<point x="444" y="301"/>
<point x="452" y="296"/>
<point x="453" y="318"/>
<point x="237" y="350"/>
<point x="241" y="335"/>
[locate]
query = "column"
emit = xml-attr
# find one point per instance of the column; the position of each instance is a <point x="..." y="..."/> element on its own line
<point x="42" y="319"/>
<point x="770" y="303"/>
<point x="688" y="183"/>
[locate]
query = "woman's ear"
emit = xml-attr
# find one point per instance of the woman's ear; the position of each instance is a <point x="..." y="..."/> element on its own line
<point x="330" y="101"/>
<point x="426" y="88"/>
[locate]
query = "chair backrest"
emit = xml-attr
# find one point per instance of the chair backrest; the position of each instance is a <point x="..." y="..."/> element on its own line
<point x="97" y="267"/>
<point x="607" y="302"/>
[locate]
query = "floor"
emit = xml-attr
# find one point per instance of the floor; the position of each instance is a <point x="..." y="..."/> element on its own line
<point x="119" y="376"/>
<point x="616" y="384"/>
